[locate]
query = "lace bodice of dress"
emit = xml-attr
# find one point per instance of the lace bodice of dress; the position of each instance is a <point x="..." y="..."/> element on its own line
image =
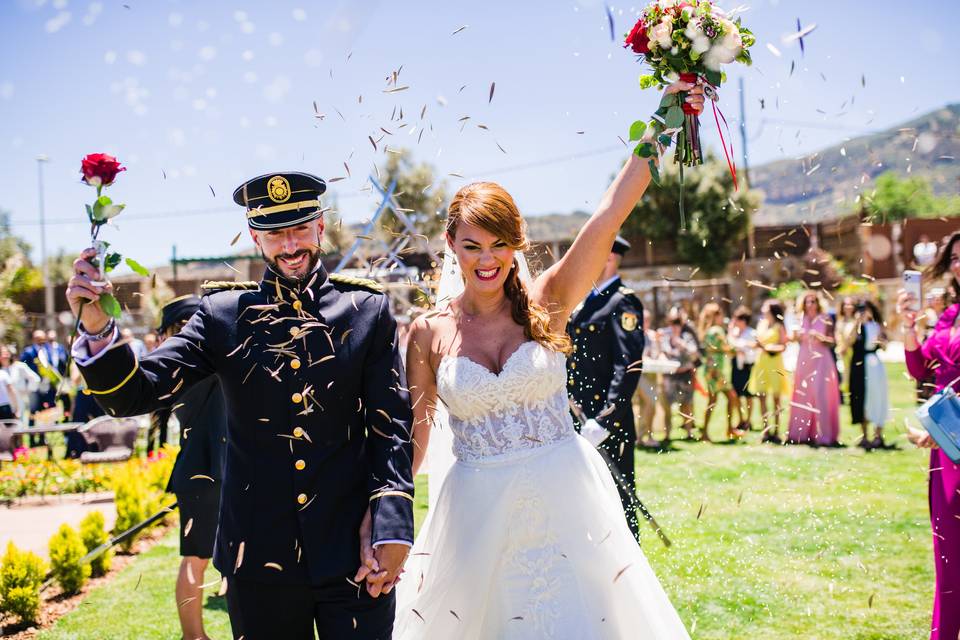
<point x="521" y="408"/>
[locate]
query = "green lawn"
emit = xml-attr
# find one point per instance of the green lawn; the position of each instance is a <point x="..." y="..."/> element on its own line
<point x="791" y="542"/>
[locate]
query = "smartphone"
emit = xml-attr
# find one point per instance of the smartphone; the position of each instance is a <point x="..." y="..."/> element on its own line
<point x="912" y="285"/>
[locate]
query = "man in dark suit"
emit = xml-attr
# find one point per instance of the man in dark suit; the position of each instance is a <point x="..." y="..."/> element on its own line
<point x="603" y="372"/>
<point x="37" y="357"/>
<point x="318" y="422"/>
<point x="197" y="472"/>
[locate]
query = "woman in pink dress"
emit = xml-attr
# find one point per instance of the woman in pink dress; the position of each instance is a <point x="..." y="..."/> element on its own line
<point x="815" y="406"/>
<point x="940" y="355"/>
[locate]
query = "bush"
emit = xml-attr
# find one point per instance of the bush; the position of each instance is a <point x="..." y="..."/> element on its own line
<point x="93" y="533"/>
<point x="21" y="574"/>
<point x="66" y="551"/>
<point x="132" y="500"/>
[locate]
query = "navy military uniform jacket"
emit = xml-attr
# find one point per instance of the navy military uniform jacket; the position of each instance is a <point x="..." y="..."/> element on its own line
<point x="318" y="420"/>
<point x="608" y="340"/>
<point x="603" y="372"/>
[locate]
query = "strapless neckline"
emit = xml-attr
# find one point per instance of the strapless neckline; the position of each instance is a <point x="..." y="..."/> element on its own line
<point x="506" y="363"/>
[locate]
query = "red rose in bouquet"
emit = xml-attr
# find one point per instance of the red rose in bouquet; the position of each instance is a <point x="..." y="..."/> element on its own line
<point x="100" y="169"/>
<point x="637" y="39"/>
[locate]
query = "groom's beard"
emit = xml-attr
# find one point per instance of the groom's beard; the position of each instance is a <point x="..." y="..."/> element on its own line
<point x="313" y="258"/>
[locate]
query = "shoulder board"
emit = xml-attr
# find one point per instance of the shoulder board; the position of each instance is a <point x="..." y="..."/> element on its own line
<point x="627" y="291"/>
<point x="213" y="286"/>
<point x="363" y="283"/>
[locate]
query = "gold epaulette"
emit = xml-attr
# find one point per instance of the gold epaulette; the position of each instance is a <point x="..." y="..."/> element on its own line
<point x="627" y="291"/>
<point x="212" y="286"/>
<point x="363" y="283"/>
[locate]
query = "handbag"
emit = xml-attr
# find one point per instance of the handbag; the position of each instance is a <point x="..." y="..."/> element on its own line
<point x="940" y="416"/>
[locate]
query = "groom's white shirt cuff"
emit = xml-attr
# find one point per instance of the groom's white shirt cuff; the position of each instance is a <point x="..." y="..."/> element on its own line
<point x="81" y="351"/>
<point x="406" y="542"/>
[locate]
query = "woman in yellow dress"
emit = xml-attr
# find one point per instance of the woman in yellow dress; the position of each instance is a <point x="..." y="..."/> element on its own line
<point x="769" y="378"/>
<point x="848" y="326"/>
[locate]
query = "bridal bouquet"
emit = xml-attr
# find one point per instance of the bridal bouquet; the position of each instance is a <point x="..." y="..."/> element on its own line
<point x="100" y="170"/>
<point x="689" y="40"/>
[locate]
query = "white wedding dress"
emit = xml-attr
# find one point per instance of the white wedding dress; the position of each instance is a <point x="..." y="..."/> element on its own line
<point x="528" y="539"/>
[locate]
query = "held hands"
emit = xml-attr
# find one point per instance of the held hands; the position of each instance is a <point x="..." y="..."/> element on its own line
<point x="82" y="290"/>
<point x="380" y="567"/>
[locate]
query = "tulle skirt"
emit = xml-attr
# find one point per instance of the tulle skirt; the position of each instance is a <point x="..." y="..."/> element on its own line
<point x="531" y="545"/>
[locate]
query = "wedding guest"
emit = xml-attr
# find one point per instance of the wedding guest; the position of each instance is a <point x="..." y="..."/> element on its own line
<point x="743" y="340"/>
<point x="58" y="362"/>
<point x="876" y="401"/>
<point x="139" y="348"/>
<point x="9" y="406"/>
<point x="715" y="368"/>
<point x="768" y="379"/>
<point x="150" y="341"/>
<point x="815" y="406"/>
<point x="197" y="475"/>
<point x="855" y="373"/>
<point x="648" y="390"/>
<point x="677" y="344"/>
<point x="37" y="357"/>
<point x="939" y="354"/>
<point x="847" y="329"/>
<point x="24" y="380"/>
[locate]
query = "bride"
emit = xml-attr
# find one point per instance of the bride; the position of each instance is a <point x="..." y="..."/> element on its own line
<point x="527" y="538"/>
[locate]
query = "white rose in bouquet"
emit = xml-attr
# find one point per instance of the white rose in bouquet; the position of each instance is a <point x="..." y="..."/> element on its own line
<point x="661" y="32"/>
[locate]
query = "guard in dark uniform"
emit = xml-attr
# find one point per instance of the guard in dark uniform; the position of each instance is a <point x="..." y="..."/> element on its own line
<point x="197" y="473"/>
<point x="605" y="367"/>
<point x="318" y="421"/>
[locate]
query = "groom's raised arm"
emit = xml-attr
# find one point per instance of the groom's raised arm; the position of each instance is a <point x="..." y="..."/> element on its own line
<point x="388" y="419"/>
<point x="125" y="386"/>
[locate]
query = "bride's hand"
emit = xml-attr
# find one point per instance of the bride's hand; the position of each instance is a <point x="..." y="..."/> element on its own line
<point x="695" y="97"/>
<point x="368" y="561"/>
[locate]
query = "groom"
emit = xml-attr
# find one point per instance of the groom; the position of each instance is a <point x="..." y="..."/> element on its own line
<point x="318" y="422"/>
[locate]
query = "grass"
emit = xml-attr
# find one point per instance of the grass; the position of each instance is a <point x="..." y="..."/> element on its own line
<point x="768" y="542"/>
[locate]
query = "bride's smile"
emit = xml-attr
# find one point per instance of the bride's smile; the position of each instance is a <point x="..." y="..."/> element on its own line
<point x="484" y="258"/>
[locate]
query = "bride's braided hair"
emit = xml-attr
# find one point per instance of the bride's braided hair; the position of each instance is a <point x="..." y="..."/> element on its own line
<point x="488" y="206"/>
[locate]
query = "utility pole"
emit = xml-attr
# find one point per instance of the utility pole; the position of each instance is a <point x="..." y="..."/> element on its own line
<point x="48" y="314"/>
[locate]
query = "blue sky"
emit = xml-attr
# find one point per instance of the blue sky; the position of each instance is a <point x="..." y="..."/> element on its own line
<point x="194" y="97"/>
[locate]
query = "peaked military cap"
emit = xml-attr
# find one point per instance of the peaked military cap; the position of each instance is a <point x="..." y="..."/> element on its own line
<point x="620" y="246"/>
<point x="277" y="200"/>
<point x="177" y="310"/>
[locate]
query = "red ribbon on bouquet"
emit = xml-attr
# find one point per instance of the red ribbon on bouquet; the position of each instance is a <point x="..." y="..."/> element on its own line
<point x="688" y="109"/>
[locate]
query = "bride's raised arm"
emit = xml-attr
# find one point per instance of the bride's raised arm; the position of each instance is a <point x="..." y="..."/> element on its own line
<point x="561" y="287"/>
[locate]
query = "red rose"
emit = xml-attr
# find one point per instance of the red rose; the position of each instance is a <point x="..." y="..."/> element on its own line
<point x="100" y="169"/>
<point x="637" y="38"/>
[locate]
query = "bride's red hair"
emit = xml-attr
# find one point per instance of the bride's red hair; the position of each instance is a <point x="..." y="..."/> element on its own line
<point x="488" y="206"/>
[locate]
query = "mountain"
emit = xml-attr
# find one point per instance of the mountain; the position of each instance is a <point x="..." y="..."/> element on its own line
<point x="825" y="185"/>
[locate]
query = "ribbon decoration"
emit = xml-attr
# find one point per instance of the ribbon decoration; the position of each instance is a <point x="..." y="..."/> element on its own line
<point x="711" y="92"/>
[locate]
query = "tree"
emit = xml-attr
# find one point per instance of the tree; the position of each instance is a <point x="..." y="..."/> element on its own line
<point x="423" y="198"/>
<point x="895" y="198"/>
<point x="16" y="276"/>
<point x="714" y="226"/>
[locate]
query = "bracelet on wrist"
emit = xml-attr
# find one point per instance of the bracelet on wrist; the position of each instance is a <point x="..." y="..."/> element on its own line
<point x="106" y="332"/>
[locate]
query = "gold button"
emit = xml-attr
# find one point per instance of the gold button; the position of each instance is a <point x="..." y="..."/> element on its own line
<point x="295" y="364"/>
<point x="297" y="305"/>
<point x="592" y="328"/>
<point x="297" y="432"/>
<point x="596" y="397"/>
<point x="302" y="498"/>
<point x="300" y="465"/>
<point x="296" y="398"/>
<point x="573" y="365"/>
